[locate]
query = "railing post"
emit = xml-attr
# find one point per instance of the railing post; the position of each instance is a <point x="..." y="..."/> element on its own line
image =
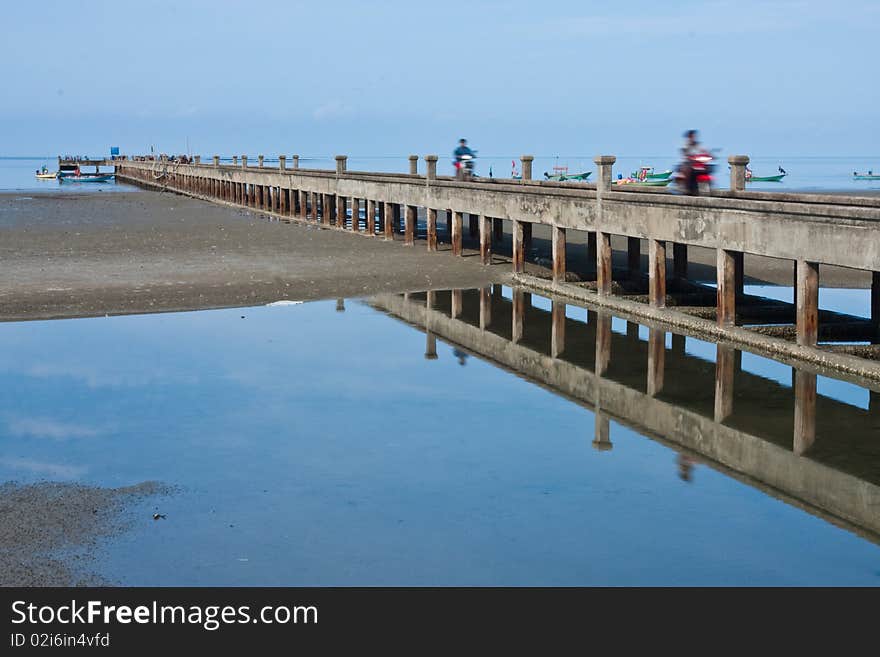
<point x="235" y="160"/>
<point x="282" y="162"/>
<point x="738" y="172"/>
<point x="244" y="161"/>
<point x="341" y="162"/>
<point x="526" y="161"/>
<point x="216" y="160"/>
<point x="431" y="167"/>
<point x="605" y="164"/>
<point x="413" y="165"/>
<point x="260" y="161"/>
<point x="296" y="161"/>
<point x="198" y="159"/>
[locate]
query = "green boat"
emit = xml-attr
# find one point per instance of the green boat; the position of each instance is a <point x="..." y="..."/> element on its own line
<point x="635" y="182"/>
<point x="562" y="177"/>
<point x="777" y="178"/>
<point x="648" y="173"/>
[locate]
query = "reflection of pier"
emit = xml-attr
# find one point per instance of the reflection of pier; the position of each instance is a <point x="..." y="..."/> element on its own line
<point x="811" y="450"/>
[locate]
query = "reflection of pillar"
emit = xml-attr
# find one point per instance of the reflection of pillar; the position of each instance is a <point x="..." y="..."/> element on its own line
<point x="430" y="346"/>
<point x="485" y="307"/>
<point x="807" y="303"/>
<point x="519" y="313"/>
<point x="875" y="305"/>
<point x="602" y="436"/>
<point x="430" y="299"/>
<point x="873" y="402"/>
<point x="678" y="344"/>
<point x="603" y="342"/>
<point x="804" y="410"/>
<point x="557" y="334"/>
<point x="656" y="360"/>
<point x="456" y="303"/>
<point x="725" y="367"/>
<point x="340" y="305"/>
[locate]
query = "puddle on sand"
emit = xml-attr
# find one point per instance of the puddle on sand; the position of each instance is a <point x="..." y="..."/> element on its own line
<point x="370" y="443"/>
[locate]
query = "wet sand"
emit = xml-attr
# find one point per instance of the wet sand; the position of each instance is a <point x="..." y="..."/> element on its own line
<point x="49" y="530"/>
<point x="67" y="255"/>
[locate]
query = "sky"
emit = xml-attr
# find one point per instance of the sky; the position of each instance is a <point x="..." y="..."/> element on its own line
<point x="795" y="77"/>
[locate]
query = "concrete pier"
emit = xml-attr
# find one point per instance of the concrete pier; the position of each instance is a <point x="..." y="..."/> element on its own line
<point x="807" y="229"/>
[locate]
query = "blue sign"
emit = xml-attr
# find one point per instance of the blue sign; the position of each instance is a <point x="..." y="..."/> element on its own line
<point x="114" y="150"/>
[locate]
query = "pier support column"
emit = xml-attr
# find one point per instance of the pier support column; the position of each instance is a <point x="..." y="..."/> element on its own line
<point x="372" y="223"/>
<point x="485" y="240"/>
<point x="409" y="237"/>
<point x="656" y="361"/>
<point x="519" y="313"/>
<point x="725" y="368"/>
<point x="875" y="305"/>
<point x="388" y="217"/>
<point x="738" y="165"/>
<point x="303" y="204"/>
<point x="603" y="342"/>
<point x="455" y="306"/>
<point x="355" y="214"/>
<point x="807" y="303"/>
<point x="657" y="273"/>
<point x="557" y="328"/>
<point x="558" y="248"/>
<point x="315" y="197"/>
<point x="283" y="197"/>
<point x="457" y="220"/>
<point x="432" y="229"/>
<point x="340" y="212"/>
<point x="680" y="260"/>
<point x="804" y="411"/>
<point x="485" y="307"/>
<point x="633" y="256"/>
<point x="603" y="263"/>
<point x="518" y="247"/>
<point x="726" y="276"/>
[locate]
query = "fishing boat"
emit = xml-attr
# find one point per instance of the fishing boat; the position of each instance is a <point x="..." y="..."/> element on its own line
<point x="648" y="173"/>
<point x="47" y="175"/>
<point x="866" y="176"/>
<point x="562" y="177"/>
<point x="635" y="182"/>
<point x="89" y="177"/>
<point x="777" y="178"/>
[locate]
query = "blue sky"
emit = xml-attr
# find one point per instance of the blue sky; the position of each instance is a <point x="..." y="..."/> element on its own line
<point x="387" y="78"/>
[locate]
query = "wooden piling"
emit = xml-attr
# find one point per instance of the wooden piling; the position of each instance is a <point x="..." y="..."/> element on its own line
<point x="657" y="273"/>
<point x="355" y="214"/>
<point x="340" y="212"/>
<point x="389" y="221"/>
<point x="603" y="263"/>
<point x="372" y="225"/>
<point x="432" y="229"/>
<point x="457" y="220"/>
<point x="518" y="247"/>
<point x="558" y="248"/>
<point x="807" y="303"/>
<point x="726" y="277"/>
<point x="409" y="237"/>
<point x="485" y="240"/>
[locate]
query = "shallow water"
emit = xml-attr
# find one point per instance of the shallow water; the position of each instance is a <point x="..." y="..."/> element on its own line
<point x="18" y="174"/>
<point x="316" y="445"/>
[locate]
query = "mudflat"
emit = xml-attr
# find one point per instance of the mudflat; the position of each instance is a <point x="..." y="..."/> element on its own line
<point x="68" y="255"/>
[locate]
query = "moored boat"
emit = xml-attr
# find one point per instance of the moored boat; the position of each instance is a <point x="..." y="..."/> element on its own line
<point x="635" y="182"/>
<point x="866" y="176"/>
<point x="101" y="177"/>
<point x="648" y="173"/>
<point x="777" y="178"/>
<point x="47" y="175"/>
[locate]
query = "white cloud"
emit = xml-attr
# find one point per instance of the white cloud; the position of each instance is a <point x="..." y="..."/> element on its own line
<point x="40" y="427"/>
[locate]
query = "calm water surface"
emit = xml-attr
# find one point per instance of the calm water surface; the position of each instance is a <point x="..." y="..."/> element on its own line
<point x="317" y="446"/>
